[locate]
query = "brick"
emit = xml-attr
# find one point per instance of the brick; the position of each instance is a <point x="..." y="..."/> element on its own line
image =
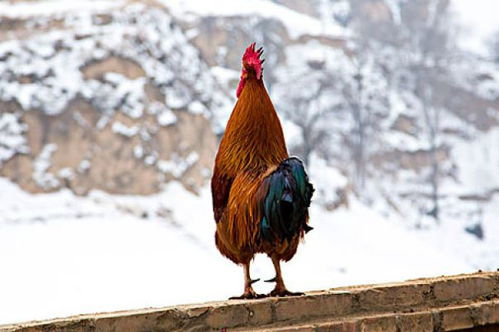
<point x="463" y="288"/>
<point x="421" y="322"/>
<point x="379" y="324"/>
<point x="351" y="326"/>
<point x="456" y="319"/>
<point x="393" y="297"/>
<point x="227" y="316"/>
<point x="167" y="320"/>
<point x="487" y="313"/>
<point x="259" y="313"/>
<point x="295" y="309"/>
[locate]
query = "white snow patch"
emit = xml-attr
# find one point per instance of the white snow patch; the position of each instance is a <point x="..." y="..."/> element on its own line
<point x="197" y="108"/>
<point x="84" y="166"/>
<point x="177" y="166"/>
<point x="120" y="128"/>
<point x="41" y="165"/>
<point x="65" y="173"/>
<point x="394" y="6"/>
<point x="478" y="163"/>
<point x="328" y="181"/>
<point x="52" y="7"/>
<point x="138" y="151"/>
<point x="224" y="75"/>
<point x="165" y="116"/>
<point x="296" y="23"/>
<point x="479" y="18"/>
<point x="12" y="140"/>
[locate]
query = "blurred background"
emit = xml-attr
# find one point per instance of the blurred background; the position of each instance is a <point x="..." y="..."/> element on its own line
<point x="111" y="112"/>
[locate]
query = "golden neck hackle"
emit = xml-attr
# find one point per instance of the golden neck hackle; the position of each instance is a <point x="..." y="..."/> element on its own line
<point x="253" y="139"/>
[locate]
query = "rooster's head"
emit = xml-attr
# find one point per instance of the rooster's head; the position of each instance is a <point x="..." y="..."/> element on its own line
<point x="252" y="66"/>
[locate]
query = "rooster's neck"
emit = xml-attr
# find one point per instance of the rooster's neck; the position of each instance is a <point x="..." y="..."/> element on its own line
<point x="253" y="138"/>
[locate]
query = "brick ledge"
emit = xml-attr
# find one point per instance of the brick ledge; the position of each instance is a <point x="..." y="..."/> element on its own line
<point x="446" y="303"/>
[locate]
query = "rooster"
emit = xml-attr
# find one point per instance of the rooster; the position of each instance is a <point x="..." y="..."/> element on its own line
<point x="260" y="195"/>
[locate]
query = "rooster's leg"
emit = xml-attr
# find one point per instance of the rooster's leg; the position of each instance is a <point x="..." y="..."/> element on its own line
<point x="280" y="288"/>
<point x="249" y="293"/>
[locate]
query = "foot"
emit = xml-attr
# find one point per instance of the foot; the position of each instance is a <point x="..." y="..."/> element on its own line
<point x="284" y="292"/>
<point x="248" y="294"/>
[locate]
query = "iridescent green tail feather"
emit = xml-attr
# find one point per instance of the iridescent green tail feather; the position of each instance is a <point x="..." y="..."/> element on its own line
<point x="288" y="196"/>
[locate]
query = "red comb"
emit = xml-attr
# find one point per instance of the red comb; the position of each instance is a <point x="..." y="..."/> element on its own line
<point x="252" y="58"/>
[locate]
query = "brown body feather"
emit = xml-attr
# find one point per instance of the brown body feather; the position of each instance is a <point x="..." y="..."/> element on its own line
<point x="252" y="147"/>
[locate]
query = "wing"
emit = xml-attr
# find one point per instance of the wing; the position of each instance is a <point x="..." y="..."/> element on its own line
<point x="220" y="188"/>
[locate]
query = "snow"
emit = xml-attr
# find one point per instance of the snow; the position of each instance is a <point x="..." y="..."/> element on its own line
<point x="480" y="77"/>
<point x="296" y="23"/>
<point x="177" y="166"/>
<point x="53" y="77"/>
<point x="41" y="166"/>
<point x="196" y="108"/>
<point x="65" y="173"/>
<point x="138" y="151"/>
<point x="123" y="252"/>
<point x="479" y="18"/>
<point x="52" y="7"/>
<point x="84" y="166"/>
<point x="165" y="116"/>
<point x="450" y="239"/>
<point x="327" y="181"/>
<point x="12" y="140"/>
<point x="224" y="75"/>
<point x="394" y="6"/>
<point x="120" y="128"/>
<point x="479" y="164"/>
<point x="403" y="141"/>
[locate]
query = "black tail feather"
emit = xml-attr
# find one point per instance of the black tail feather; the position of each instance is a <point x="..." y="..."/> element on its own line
<point x="288" y="196"/>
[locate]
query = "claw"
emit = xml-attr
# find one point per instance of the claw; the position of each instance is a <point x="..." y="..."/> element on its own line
<point x="254" y="280"/>
<point x="271" y="280"/>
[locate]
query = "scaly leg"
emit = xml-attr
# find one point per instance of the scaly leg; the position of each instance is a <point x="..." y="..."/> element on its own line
<point x="280" y="288"/>
<point x="249" y="293"/>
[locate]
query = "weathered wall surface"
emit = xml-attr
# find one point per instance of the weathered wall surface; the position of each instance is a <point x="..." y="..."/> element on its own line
<point x="456" y="303"/>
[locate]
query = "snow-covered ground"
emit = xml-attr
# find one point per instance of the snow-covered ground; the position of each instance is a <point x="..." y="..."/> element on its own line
<point x="62" y="255"/>
<point x="479" y="20"/>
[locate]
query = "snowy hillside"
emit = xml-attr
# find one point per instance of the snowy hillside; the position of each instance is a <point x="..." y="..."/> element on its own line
<point x="111" y="112"/>
<point x="103" y="75"/>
